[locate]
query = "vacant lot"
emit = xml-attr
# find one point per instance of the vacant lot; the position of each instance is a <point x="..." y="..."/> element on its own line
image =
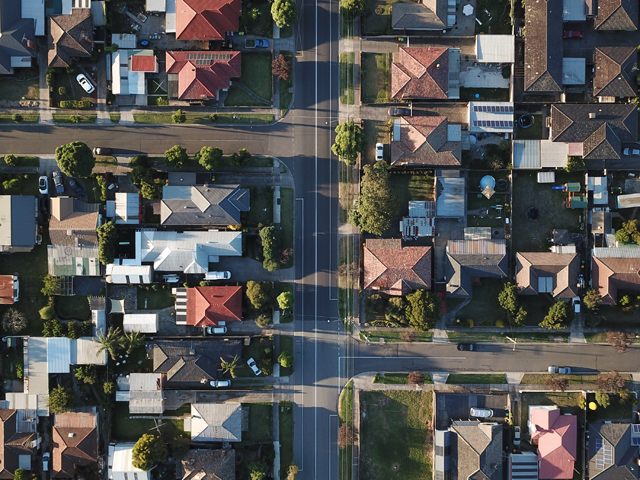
<point x="256" y="76"/>
<point x="395" y="435"/>
<point x="375" y="77"/>
<point x="155" y="299"/>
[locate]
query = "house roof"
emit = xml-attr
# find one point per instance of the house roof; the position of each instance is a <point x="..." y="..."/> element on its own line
<point x="17" y="35"/>
<point x="212" y="305"/>
<point x="6" y="289"/>
<point x="67" y="261"/>
<point x="420" y="72"/>
<point x="542" y="49"/>
<point x="216" y="422"/>
<point x="610" y="274"/>
<point x="70" y="36"/>
<point x="18" y="220"/>
<point x="478" y="450"/>
<point x="75" y="442"/>
<point x="547" y="272"/>
<point x="396" y="269"/>
<point x="428" y="15"/>
<point x="617" y="15"/>
<point x="611" y="454"/>
<point x="425" y="141"/>
<point x="120" y="465"/>
<point x="601" y="136"/>
<point x="143" y="63"/>
<point x="202" y="74"/>
<point x="468" y="259"/>
<point x="203" y="204"/>
<point x="616" y="72"/>
<point x="73" y="222"/>
<point x="556" y="436"/>
<point x="13" y="443"/>
<point x="208" y="465"/>
<point x="206" y="19"/>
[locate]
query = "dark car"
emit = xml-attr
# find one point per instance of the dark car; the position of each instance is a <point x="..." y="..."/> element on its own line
<point x="57" y="180"/>
<point x="572" y="34"/>
<point x="44" y="206"/>
<point x="469" y="347"/>
<point x="76" y="188"/>
<point x="399" y="112"/>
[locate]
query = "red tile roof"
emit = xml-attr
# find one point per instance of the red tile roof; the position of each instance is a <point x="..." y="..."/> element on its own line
<point x="611" y="274"/>
<point x="394" y="269"/>
<point x="424" y="141"/>
<point x="198" y="77"/>
<point x="143" y="63"/>
<point x="206" y="19"/>
<point x="6" y="289"/>
<point x="208" y="306"/>
<point x="420" y="72"/>
<point x="556" y="438"/>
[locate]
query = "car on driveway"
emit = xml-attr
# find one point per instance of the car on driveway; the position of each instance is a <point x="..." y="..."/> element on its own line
<point x="560" y="370"/>
<point x="43" y="185"/>
<point x="215" y="330"/>
<point x="631" y="152"/>
<point x="57" y="180"/>
<point x="45" y="461"/>
<point x="469" y="347"/>
<point x="85" y="83"/>
<point x="516" y="436"/>
<point x="481" y="412"/>
<point x="76" y="188"/>
<point x="252" y="365"/>
<point x="379" y="151"/>
<point x="101" y="151"/>
<point x="220" y="383"/>
<point x="576" y="304"/>
<point x="573" y="34"/>
<point x="399" y="112"/>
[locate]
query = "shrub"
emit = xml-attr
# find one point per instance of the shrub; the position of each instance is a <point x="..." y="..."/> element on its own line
<point x="47" y="313"/>
<point x="345" y="436"/>
<point x="51" y="79"/>
<point x="240" y="158"/>
<point x="415" y="378"/>
<point x="75" y="104"/>
<point x="11" y="160"/>
<point x="11" y="184"/>
<point x="162" y="102"/>
<point x="16" y="117"/>
<point x="470" y="323"/>
<point x="62" y="91"/>
<point x="286" y="359"/>
<point x="179" y="117"/>
<point x="19" y="370"/>
<point x="500" y="323"/>
<point x="263" y="321"/>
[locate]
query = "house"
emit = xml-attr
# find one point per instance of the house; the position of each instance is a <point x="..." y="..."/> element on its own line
<point x="200" y="75"/>
<point x="490" y="117"/>
<point x="613" y="451"/>
<point x="19" y="440"/>
<point x="426" y="141"/>
<point x="129" y="69"/>
<point x="394" y="269"/>
<point x="469" y="260"/>
<point x="556" y="437"/>
<point x="616" y="70"/>
<point x="208" y="205"/>
<point x="594" y="131"/>
<point x="70" y="37"/>
<point x="426" y="16"/>
<point x="617" y="15"/>
<point x="215" y="422"/>
<point x="548" y="272"/>
<point x="192" y="363"/>
<point x="543" y="46"/>
<point x="207" y="465"/>
<point x="537" y="154"/>
<point x="613" y="269"/>
<point x="9" y="289"/>
<point x="476" y="450"/>
<point x="125" y="210"/>
<point x="140" y="322"/>
<point x="197" y="20"/>
<point x="120" y="466"/>
<point x="209" y="306"/>
<point x="17" y="36"/>
<point x="68" y="261"/>
<point x="75" y="442"/>
<point x="421" y="73"/>
<point x="18" y="225"/>
<point x="73" y="222"/>
<point x="142" y="391"/>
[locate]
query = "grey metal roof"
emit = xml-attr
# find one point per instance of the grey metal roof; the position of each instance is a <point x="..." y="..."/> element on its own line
<point x="450" y="197"/>
<point x="617" y="252"/>
<point x="543" y="46"/>
<point x="203" y="204"/>
<point x="526" y="154"/>
<point x="216" y="422"/>
<point x="429" y="15"/>
<point x="15" y="32"/>
<point x="18" y="220"/>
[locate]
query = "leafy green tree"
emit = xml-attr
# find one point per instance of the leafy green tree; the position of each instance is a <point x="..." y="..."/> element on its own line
<point x="270" y="237"/>
<point x="179" y="117"/>
<point x="377" y="204"/>
<point x="72" y="330"/>
<point x="520" y="319"/>
<point x="263" y="321"/>
<point x="111" y="342"/>
<point x="259" y="294"/>
<point x="180" y="447"/>
<point x="150" y="190"/>
<point x="284" y="12"/>
<point x="12" y="184"/>
<point x="508" y="299"/>
<point x="141" y="174"/>
<point x="87" y="374"/>
<point x="592" y="299"/>
<point x="61" y="400"/>
<point x="75" y="159"/>
<point x="556" y="317"/>
<point x="395" y="311"/>
<point x="574" y="164"/>
<point x="257" y="470"/>
<point x="622" y="237"/>
<point x="270" y="265"/>
<point x="148" y="451"/>
<point x="107" y="242"/>
<point x="109" y="387"/>
<point x="47" y="313"/>
<point x="628" y="233"/>
<point x="210" y="158"/>
<point x="285" y="359"/>
<point x="353" y="7"/>
<point x="240" y="158"/>
<point x="349" y="142"/>
<point x="132" y="341"/>
<point x="11" y="160"/>
<point x="51" y="286"/>
<point x="285" y="300"/>
<point x="603" y="399"/>
<point x="21" y="474"/>
<point x="177" y="156"/>
<point x="423" y="310"/>
<point x="229" y="366"/>
<point x="627" y="396"/>
<point x="53" y="328"/>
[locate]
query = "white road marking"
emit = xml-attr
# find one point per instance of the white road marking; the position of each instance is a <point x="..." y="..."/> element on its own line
<point x="301" y="395"/>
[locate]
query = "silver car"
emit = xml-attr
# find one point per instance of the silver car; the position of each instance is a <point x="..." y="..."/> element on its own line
<point x="252" y="365"/>
<point x="85" y="83"/>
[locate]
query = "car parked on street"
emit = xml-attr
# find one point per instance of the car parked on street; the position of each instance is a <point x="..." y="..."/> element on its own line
<point x="57" y="180"/>
<point x="76" y="188"/>
<point x="379" y="151"/>
<point x="573" y="34"/>
<point x="560" y="370"/>
<point x="469" y="347"/>
<point x="220" y="383"/>
<point x="102" y="151"/>
<point x="399" y="112"/>
<point x="631" y="152"/>
<point x="215" y="330"/>
<point x="85" y="83"/>
<point x="43" y="185"/>
<point x="252" y="365"/>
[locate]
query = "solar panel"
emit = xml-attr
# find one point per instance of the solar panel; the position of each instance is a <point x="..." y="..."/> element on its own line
<point x="608" y="454"/>
<point x="635" y="441"/>
<point x="635" y="428"/>
<point x="598" y="444"/>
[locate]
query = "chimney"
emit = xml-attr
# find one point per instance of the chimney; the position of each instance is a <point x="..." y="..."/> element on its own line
<point x="592" y="115"/>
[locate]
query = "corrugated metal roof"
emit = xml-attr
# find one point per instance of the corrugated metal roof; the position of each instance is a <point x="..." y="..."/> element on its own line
<point x="628" y="201"/>
<point x="553" y="154"/>
<point x="122" y="396"/>
<point x="617" y="252"/>
<point x="495" y="48"/>
<point x="477" y="247"/>
<point x="450" y="197"/>
<point x="140" y="322"/>
<point x="146" y="402"/>
<point x="124" y="40"/>
<point x="86" y="351"/>
<point x="477" y="233"/>
<point x="526" y="154"/>
<point x="58" y="355"/>
<point x="145" y="381"/>
<point x="120" y="463"/>
<point x="546" y="177"/>
<point x="574" y="71"/>
<point x="129" y="274"/>
<point x="36" y="373"/>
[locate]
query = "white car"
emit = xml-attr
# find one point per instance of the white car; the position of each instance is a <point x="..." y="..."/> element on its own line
<point x="631" y="152"/>
<point x="560" y="370"/>
<point x="252" y="365"/>
<point x="379" y="151"/>
<point x="516" y="436"/>
<point x="43" y="185"/>
<point x="481" y="412"/>
<point x="226" y="275"/>
<point x="45" y="461"/>
<point x="576" y="304"/>
<point x="220" y="383"/>
<point x="85" y="83"/>
<point x="215" y="330"/>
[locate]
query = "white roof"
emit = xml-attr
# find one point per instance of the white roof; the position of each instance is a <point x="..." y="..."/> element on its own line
<point x="170" y="17"/>
<point x="145" y="382"/>
<point x="547" y="177"/>
<point x="491" y="117"/>
<point x="156" y="6"/>
<point x="124" y="40"/>
<point x="140" y="322"/>
<point x="629" y="200"/>
<point x="58" y="355"/>
<point x="120" y="463"/>
<point x="495" y="48"/>
<point x="128" y="204"/>
<point x="125" y="82"/>
<point x="574" y="71"/>
<point x="36" y="371"/>
<point x="129" y="273"/>
<point x="87" y="352"/>
<point x="574" y="11"/>
<point x="34" y="9"/>
<point x="553" y="154"/>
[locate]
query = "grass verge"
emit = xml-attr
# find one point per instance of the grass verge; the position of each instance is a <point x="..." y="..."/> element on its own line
<point x="477" y="378"/>
<point x="346" y="77"/>
<point x="79" y="118"/>
<point x="541" y="378"/>
<point x="286" y="86"/>
<point x="394" y="336"/>
<point x="398" y="378"/>
<point x="286" y="344"/>
<point x="26" y="118"/>
<point x="23" y="162"/>
<point x="286" y="221"/>
<point x="285" y="420"/>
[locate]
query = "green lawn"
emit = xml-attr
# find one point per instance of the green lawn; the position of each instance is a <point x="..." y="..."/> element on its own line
<point x="286" y="344"/>
<point x="393" y="336"/>
<point x="617" y="409"/>
<point x="75" y="118"/>
<point x="498" y="94"/>
<point x="345" y="410"/>
<point x="378" y="22"/>
<point x="256" y="350"/>
<point x="285" y="420"/>
<point x="347" y="284"/>
<point x="73" y="308"/>
<point x="346" y="77"/>
<point x="498" y="22"/>
<point x="115" y="117"/>
<point x="375" y="77"/>
<point x="256" y="75"/>
<point x="375" y="131"/>
<point x="261" y="212"/>
<point x="477" y="335"/>
<point x="26" y="118"/>
<point x="286" y="86"/>
<point x="23" y="162"/>
<point x="396" y="435"/>
<point x="534" y="132"/>
<point x="476" y="378"/>
<point x="286" y="220"/>
<point x="155" y="299"/>
<point x="168" y="118"/>
<point x="260" y="423"/>
<point x="13" y="89"/>
<point x="254" y="118"/>
<point x="484" y="303"/>
<point x="398" y="378"/>
<point x="137" y="362"/>
<point x="131" y="429"/>
<point x="541" y="378"/>
<point x="408" y="187"/>
<point x="254" y="162"/>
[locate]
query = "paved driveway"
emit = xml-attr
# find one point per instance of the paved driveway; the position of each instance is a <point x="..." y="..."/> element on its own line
<point x="455" y="406"/>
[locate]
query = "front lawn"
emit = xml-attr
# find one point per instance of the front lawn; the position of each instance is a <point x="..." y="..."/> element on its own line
<point x="155" y="299"/>
<point x="408" y="187"/>
<point x="260" y="348"/>
<point x="285" y="419"/>
<point x="73" y="90"/>
<point x="396" y="435"/>
<point x="256" y="76"/>
<point x="14" y="89"/>
<point x="398" y="378"/>
<point x="128" y="428"/>
<point x="377" y="18"/>
<point x="375" y="77"/>
<point x="477" y="378"/>
<point x="616" y="411"/>
<point x="484" y="304"/>
<point x="23" y="162"/>
<point x="346" y="77"/>
<point x="73" y="307"/>
<point x="25" y="186"/>
<point x="260" y="423"/>
<point x="261" y="212"/>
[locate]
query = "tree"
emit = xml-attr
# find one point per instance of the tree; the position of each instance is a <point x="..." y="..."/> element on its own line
<point x="292" y="472"/>
<point x="574" y="164"/>
<point x="75" y="159"/>
<point x="150" y="190"/>
<point x="619" y="340"/>
<point x="521" y="317"/>
<point x="72" y="330"/>
<point x="229" y="366"/>
<point x="111" y="342"/>
<point x="141" y="174"/>
<point x="603" y="399"/>
<point x="179" y="117"/>
<point x="259" y="294"/>
<point x="11" y="160"/>
<point x="176" y="156"/>
<point x="415" y="378"/>
<point x="285" y="300"/>
<point x="284" y="12"/>
<point x="611" y="382"/>
<point x="622" y="237"/>
<point x="508" y="299"/>
<point x="557" y="383"/>
<point x="395" y="311"/>
<point x="263" y="321"/>
<point x="345" y="436"/>
<point x="210" y="158"/>
<point x="257" y="470"/>
<point x="148" y="450"/>
<point x="13" y="321"/>
<point x="51" y="286"/>
<point x="61" y="400"/>
<point x="555" y="317"/>
<point x="47" y="313"/>
<point x="132" y="340"/>
<point x="53" y="328"/>
<point x="111" y="48"/>
<point x="240" y="158"/>
<point x="353" y="7"/>
<point x="285" y="359"/>
<point x="21" y="474"/>
<point x="109" y="387"/>
<point x="423" y="310"/>
<point x="87" y="374"/>
<point x="281" y="67"/>
<point x="270" y="237"/>
<point x="628" y="233"/>
<point x="349" y="142"/>
<point x="627" y="396"/>
<point x="376" y="206"/>
<point x="591" y="299"/>
<point x="107" y="242"/>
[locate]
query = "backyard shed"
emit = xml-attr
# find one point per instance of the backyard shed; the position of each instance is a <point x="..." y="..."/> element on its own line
<point x="547" y="177"/>
<point x="120" y="463"/>
<point x="578" y="201"/>
<point x="628" y="201"/>
<point x="140" y="322"/>
<point x="450" y="197"/>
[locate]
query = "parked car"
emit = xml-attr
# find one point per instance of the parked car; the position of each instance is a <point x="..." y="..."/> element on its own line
<point x="631" y="152"/>
<point x="43" y="185"/>
<point x="226" y="275"/>
<point x="256" y="43"/>
<point x="102" y="151"/>
<point x="560" y="370"/>
<point x="576" y="304"/>
<point x="220" y="383"/>
<point x="57" y="180"/>
<point x="516" y="436"/>
<point x="44" y="206"/>
<point x="252" y="365"/>
<point x="85" y="83"/>
<point x="481" y="412"/>
<point x="580" y="280"/>
<point x="76" y="188"/>
<point x="379" y="151"/>
<point x="399" y="112"/>
<point x="470" y="347"/>
<point x="45" y="461"/>
<point x="573" y="34"/>
<point x="215" y="330"/>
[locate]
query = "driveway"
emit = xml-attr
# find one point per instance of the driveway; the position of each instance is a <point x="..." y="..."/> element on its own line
<point x="455" y="406"/>
<point x="244" y="269"/>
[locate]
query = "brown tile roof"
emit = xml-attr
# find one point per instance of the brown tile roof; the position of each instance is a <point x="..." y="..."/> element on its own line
<point x="616" y="69"/>
<point x="617" y="15"/>
<point x="424" y="141"/>
<point x="75" y="442"/>
<point x="543" y="46"/>
<point x="426" y="15"/>
<point x="206" y="19"/>
<point x="612" y="274"/>
<point x="6" y="289"/>
<point x="420" y="72"/>
<point x="563" y="268"/>
<point x="12" y="443"/>
<point x="198" y="78"/>
<point x="212" y="305"/>
<point x="70" y="36"/>
<point x="73" y="222"/>
<point x="394" y="269"/>
<point x="143" y="63"/>
<point x="208" y="465"/>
